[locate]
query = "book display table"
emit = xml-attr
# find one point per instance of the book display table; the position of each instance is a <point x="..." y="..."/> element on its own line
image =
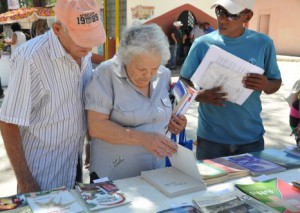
<point x="146" y="198"/>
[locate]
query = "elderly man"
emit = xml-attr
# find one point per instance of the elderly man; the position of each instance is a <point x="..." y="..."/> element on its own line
<point x="42" y="117"/>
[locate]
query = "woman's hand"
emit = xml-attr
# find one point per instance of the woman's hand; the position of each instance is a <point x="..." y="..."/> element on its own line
<point x="159" y="145"/>
<point x="177" y="124"/>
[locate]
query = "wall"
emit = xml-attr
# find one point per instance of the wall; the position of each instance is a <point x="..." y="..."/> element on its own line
<point x="164" y="6"/>
<point x="283" y="24"/>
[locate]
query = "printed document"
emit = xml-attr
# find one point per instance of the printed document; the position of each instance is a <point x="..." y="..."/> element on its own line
<point x="221" y="68"/>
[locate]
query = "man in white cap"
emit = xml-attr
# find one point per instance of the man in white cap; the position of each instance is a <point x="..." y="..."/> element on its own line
<point x="175" y="40"/>
<point x="42" y="116"/>
<point x="225" y="128"/>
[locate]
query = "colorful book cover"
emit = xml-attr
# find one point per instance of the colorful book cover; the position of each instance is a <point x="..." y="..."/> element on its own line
<point x="275" y="193"/>
<point x="15" y="203"/>
<point x="233" y="170"/>
<point x="56" y="201"/>
<point x="101" y="195"/>
<point x="257" y="166"/>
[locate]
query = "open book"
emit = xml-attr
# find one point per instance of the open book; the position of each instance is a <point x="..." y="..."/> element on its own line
<point x="221" y="68"/>
<point x="184" y="95"/>
<point x="182" y="178"/>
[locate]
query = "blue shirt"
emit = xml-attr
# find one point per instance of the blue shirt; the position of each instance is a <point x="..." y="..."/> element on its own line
<point x="233" y="124"/>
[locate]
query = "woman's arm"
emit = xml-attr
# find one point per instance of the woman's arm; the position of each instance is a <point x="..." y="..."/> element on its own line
<point x="101" y="127"/>
<point x="14" y="40"/>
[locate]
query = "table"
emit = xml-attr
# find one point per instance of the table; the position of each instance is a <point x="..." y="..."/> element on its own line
<point x="4" y="69"/>
<point x="145" y="198"/>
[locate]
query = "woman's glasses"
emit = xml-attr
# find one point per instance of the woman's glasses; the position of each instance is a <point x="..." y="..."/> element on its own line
<point x="220" y="11"/>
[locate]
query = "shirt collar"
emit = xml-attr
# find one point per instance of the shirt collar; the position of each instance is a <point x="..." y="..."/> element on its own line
<point x="56" y="48"/>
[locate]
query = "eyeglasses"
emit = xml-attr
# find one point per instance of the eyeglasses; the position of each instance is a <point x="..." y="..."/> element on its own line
<point x="220" y="11"/>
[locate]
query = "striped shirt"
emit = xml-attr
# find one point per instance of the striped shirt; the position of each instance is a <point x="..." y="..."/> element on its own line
<point x="45" y="98"/>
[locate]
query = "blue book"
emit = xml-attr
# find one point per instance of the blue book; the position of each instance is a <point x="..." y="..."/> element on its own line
<point x="278" y="156"/>
<point x="257" y="166"/>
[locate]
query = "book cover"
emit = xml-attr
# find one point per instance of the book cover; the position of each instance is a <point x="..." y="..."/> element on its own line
<point x="14" y="204"/>
<point x="279" y="157"/>
<point x="275" y="193"/>
<point x="257" y="166"/>
<point x="221" y="68"/>
<point x="61" y="201"/>
<point x="184" y="95"/>
<point x="233" y="170"/>
<point x="229" y="202"/>
<point x="296" y="183"/>
<point x="211" y="174"/>
<point x="293" y="150"/>
<point x="182" y="178"/>
<point x="101" y="195"/>
<point x="180" y="209"/>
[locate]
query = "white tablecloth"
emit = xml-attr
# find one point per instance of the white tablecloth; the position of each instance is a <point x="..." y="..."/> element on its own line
<point x="146" y="198"/>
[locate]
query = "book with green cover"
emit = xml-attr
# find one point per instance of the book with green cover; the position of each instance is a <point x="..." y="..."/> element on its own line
<point x="275" y="193"/>
<point x="211" y="174"/>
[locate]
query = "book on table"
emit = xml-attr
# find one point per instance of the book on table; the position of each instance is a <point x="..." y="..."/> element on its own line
<point x="256" y="166"/>
<point x="103" y="195"/>
<point x="182" y="178"/>
<point x="293" y="150"/>
<point x="233" y="170"/>
<point x="234" y="201"/>
<point x="278" y="156"/>
<point x="275" y="193"/>
<point x="211" y="174"/>
<point x="184" y="95"/>
<point x="14" y="204"/>
<point x="221" y="68"/>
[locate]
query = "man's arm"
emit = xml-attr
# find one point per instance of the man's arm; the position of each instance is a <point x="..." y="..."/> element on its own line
<point x="14" y="148"/>
<point x="261" y="83"/>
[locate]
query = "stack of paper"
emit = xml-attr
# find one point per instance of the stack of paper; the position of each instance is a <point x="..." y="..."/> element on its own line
<point x="221" y="68"/>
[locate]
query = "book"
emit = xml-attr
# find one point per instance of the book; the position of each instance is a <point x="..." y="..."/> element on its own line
<point x="234" y="201"/>
<point x="180" y="209"/>
<point x="296" y="183"/>
<point x="278" y="156"/>
<point x="182" y="178"/>
<point x="184" y="95"/>
<point x="221" y="68"/>
<point x="56" y="201"/>
<point x="256" y="166"/>
<point x="211" y="174"/>
<point x="14" y="204"/>
<point x="293" y="150"/>
<point x="101" y="195"/>
<point x="275" y="193"/>
<point x="233" y="170"/>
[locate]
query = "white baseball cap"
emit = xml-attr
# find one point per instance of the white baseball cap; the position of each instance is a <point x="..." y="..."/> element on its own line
<point x="235" y="6"/>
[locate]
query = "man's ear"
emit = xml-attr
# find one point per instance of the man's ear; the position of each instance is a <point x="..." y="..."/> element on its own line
<point x="248" y="16"/>
<point x="57" y="28"/>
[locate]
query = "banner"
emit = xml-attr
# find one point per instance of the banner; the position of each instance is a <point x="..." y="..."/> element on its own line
<point x="13" y="4"/>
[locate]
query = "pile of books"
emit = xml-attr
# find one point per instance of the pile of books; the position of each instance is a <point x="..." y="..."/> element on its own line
<point x="85" y="198"/>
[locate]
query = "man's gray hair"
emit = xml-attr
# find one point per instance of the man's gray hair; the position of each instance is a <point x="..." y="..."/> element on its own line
<point x="143" y="39"/>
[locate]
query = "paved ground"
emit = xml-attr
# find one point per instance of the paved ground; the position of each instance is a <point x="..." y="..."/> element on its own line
<point x="275" y="115"/>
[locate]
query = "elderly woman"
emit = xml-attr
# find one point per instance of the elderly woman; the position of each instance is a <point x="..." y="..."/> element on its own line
<point x="129" y="108"/>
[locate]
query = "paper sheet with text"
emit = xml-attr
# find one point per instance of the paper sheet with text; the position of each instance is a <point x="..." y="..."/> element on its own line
<point x="221" y="68"/>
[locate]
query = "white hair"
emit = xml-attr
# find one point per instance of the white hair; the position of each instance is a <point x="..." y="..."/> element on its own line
<point x="143" y="39"/>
